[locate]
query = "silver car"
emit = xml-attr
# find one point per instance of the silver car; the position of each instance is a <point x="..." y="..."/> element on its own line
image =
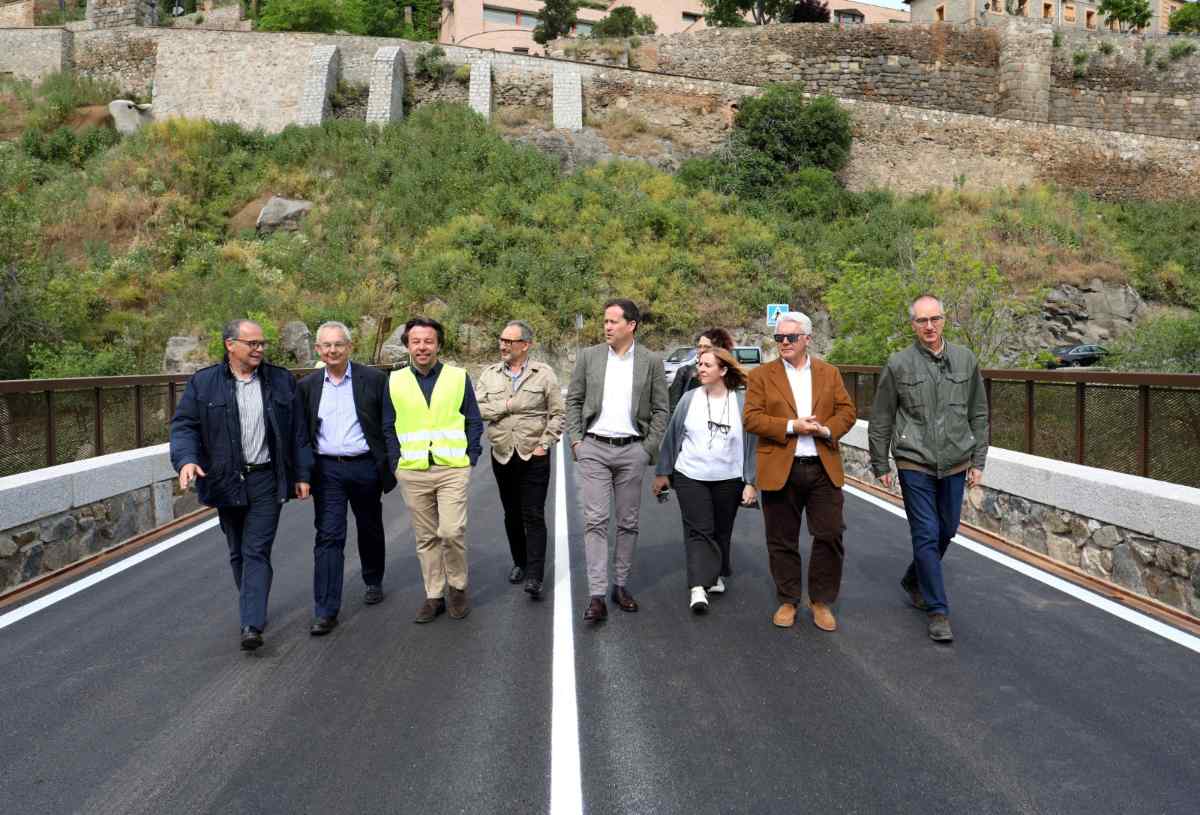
<point x="672" y="362"/>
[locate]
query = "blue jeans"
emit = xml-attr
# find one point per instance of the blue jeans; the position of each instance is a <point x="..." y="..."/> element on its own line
<point x="933" y="506"/>
<point x="250" y="532"/>
<point x="336" y="485"/>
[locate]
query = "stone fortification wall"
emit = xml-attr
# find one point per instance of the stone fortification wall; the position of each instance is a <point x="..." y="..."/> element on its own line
<point x="31" y="53"/>
<point x="936" y="66"/>
<point x="17" y="15"/>
<point x="1136" y="86"/>
<point x="127" y="57"/>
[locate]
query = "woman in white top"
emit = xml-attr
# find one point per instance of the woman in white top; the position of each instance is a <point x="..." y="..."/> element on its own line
<point x="710" y="460"/>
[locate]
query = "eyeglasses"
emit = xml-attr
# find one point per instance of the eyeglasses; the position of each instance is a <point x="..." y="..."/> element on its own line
<point x="934" y="320"/>
<point x="504" y="341"/>
<point x="789" y="337"/>
<point x="329" y="346"/>
<point x="254" y="345"/>
<point x="717" y="427"/>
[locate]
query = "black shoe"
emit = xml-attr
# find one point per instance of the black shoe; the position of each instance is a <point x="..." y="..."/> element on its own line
<point x="597" y="611"/>
<point x="516" y="575"/>
<point x="323" y="625"/>
<point x="373" y="595"/>
<point x="913" y="592"/>
<point x="939" y="628"/>
<point x="251" y="638"/>
<point x="624" y="599"/>
<point x="533" y="587"/>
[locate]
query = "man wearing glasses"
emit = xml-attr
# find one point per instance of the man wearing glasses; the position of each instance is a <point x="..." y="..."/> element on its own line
<point x="346" y="454"/>
<point x="232" y="435"/>
<point x="931" y="413"/>
<point x="522" y="402"/>
<point x="799" y="409"/>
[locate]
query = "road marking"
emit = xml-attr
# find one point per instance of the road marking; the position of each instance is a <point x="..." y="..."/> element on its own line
<point x="566" y="788"/>
<point x="18" y="614"/>
<point x="1139" y="619"/>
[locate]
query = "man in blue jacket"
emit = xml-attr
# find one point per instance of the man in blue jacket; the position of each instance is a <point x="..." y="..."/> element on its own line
<point x="232" y="434"/>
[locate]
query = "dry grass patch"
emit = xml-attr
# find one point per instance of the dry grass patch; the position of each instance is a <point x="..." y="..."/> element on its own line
<point x="514" y="117"/>
<point x="115" y="218"/>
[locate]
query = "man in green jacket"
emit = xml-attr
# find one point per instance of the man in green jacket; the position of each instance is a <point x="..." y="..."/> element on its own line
<point x="931" y="411"/>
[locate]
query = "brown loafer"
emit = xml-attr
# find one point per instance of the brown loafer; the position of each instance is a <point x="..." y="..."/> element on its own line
<point x="822" y="616"/>
<point x="431" y="608"/>
<point x="785" y="615"/>
<point x="624" y="599"/>
<point x="597" y="611"/>
<point x="457" y="605"/>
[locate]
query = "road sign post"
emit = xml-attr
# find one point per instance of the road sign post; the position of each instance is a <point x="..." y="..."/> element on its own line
<point x="773" y="312"/>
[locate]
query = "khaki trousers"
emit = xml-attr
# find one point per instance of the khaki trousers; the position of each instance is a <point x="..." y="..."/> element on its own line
<point x="437" y="507"/>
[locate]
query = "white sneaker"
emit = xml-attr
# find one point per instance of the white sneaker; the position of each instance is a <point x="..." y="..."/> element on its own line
<point x="699" y="600"/>
<point x="718" y="587"/>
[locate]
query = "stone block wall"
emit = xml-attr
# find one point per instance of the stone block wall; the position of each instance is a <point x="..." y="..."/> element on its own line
<point x="121" y="13"/>
<point x="18" y="15"/>
<point x="32" y="53"/>
<point x="1026" y="54"/>
<point x="127" y="57"/>
<point x="568" y="98"/>
<point x="937" y="66"/>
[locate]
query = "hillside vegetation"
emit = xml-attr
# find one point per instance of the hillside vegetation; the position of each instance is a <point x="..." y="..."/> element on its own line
<point x="108" y="248"/>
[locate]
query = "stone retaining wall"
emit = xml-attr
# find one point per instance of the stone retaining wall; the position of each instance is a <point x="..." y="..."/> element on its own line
<point x="1137" y="533"/>
<point x="58" y="515"/>
<point x="18" y="15"/>
<point x="32" y="53"/>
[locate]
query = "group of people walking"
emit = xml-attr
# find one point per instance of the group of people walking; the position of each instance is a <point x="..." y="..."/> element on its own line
<point x="720" y="438"/>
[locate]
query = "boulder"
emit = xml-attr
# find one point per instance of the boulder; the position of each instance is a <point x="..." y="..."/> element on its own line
<point x="282" y="213"/>
<point x="184" y="355"/>
<point x="393" y="351"/>
<point x="129" y="117"/>
<point x="296" y="341"/>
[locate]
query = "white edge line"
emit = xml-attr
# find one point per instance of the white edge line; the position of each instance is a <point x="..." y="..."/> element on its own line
<point x="1065" y="586"/>
<point x="566" y="788"/>
<point x="33" y="607"/>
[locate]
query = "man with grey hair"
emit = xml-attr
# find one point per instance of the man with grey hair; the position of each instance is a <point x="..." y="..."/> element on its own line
<point x="523" y="405"/>
<point x="799" y="409"/>
<point x="930" y="412"/>
<point x="346" y="454"/>
<point x="232" y="435"/>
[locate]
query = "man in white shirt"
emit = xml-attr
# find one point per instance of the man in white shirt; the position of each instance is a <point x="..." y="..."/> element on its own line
<point x="616" y="417"/>
<point x="799" y="409"/>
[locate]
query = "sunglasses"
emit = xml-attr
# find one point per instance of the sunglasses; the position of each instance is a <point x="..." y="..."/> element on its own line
<point x="717" y="427"/>
<point x="789" y="337"/>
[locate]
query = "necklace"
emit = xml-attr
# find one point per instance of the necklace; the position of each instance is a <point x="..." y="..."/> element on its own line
<point x="721" y="427"/>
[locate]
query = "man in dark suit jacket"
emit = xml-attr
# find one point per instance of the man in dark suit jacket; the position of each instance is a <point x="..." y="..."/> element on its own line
<point x="616" y="419"/>
<point x="346" y="453"/>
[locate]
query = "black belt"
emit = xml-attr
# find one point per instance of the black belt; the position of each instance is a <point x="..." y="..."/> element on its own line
<point x="254" y="468"/>
<point x="345" y="458"/>
<point x="614" y="441"/>
<point x="808" y="459"/>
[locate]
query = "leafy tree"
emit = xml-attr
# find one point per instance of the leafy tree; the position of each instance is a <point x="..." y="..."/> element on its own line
<point x="808" y="11"/>
<point x="730" y="13"/>
<point x="1133" y="13"/>
<point x="1186" y="20"/>
<point x="623" y="21"/>
<point x="301" y="15"/>
<point x="556" y="20"/>
<point x="1168" y="343"/>
<point x="793" y="131"/>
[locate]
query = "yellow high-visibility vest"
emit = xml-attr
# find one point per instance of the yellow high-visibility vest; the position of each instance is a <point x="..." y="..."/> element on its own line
<point x="430" y="430"/>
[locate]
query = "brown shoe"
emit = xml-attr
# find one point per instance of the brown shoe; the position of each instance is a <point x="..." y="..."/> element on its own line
<point x="624" y="599"/>
<point x="597" y="611"/>
<point x="822" y="616"/>
<point x="457" y="606"/>
<point x="785" y="615"/>
<point x="432" y="607"/>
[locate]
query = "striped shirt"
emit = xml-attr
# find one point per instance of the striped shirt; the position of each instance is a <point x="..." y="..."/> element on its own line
<point x="250" y="414"/>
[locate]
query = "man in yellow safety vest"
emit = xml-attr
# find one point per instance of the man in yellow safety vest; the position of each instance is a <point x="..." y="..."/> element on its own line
<point x="439" y="428"/>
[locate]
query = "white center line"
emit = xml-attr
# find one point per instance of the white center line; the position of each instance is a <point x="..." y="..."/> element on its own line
<point x="566" y="788"/>
<point x="1065" y="586"/>
<point x="20" y="613"/>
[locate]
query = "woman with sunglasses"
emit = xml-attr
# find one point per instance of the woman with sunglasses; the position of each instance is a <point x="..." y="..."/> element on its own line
<point x="710" y="460"/>
<point x="685" y="378"/>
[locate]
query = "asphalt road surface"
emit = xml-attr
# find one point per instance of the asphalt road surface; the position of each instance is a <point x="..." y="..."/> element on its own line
<point x="132" y="696"/>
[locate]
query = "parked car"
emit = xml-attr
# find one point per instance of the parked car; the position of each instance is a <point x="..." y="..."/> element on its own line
<point x="1076" y="355"/>
<point x="748" y="356"/>
<point x="672" y="362"/>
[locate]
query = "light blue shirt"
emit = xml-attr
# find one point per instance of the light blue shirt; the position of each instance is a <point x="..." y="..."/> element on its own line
<point x="338" y="433"/>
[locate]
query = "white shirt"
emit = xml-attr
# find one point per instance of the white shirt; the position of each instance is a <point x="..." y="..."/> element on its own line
<point x="801" y="381"/>
<point x="707" y="454"/>
<point x="616" y="409"/>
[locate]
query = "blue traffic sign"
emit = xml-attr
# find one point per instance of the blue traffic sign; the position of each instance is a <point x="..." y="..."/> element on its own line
<point x="773" y="312"/>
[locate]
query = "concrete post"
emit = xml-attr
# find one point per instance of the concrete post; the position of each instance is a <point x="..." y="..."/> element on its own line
<point x="568" y="98"/>
<point x="479" y="93"/>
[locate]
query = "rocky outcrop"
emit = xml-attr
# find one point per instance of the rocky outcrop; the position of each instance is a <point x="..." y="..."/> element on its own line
<point x="583" y="148"/>
<point x="393" y="351"/>
<point x="184" y="355"/>
<point x="282" y="213"/>
<point x="296" y="343"/>
<point x="1096" y="312"/>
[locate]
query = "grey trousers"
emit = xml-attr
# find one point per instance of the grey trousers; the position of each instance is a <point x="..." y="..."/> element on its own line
<point x="608" y="473"/>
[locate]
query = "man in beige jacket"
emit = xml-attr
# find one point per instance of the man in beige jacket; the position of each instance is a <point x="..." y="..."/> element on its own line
<point x="522" y="402"/>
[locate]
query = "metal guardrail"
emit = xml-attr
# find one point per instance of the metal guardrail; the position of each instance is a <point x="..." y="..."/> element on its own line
<point x="1137" y="423"/>
<point x="44" y="422"/>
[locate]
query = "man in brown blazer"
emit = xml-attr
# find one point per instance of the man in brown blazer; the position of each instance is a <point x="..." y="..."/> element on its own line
<point x="799" y="408"/>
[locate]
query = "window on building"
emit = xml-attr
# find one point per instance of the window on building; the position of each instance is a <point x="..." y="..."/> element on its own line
<point x="848" y="16"/>
<point x="997" y="6"/>
<point x="690" y="17"/>
<point x="520" y="49"/>
<point x="1090" y="18"/>
<point x="581" y="29"/>
<point x="939" y="14"/>
<point x="1047" y="11"/>
<point x="509" y="19"/>
<point x="1069" y="13"/>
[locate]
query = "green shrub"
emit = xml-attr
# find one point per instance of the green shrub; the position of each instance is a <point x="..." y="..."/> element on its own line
<point x="324" y="16"/>
<point x="431" y="64"/>
<point x="623" y="21"/>
<point x="71" y="359"/>
<point x="1079" y="62"/>
<point x="795" y="132"/>
<point x="1185" y="20"/>
<point x="1058" y="40"/>
<point x="1181" y="50"/>
<point x="1107" y="48"/>
<point x="1167" y="343"/>
<point x="1148" y="55"/>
